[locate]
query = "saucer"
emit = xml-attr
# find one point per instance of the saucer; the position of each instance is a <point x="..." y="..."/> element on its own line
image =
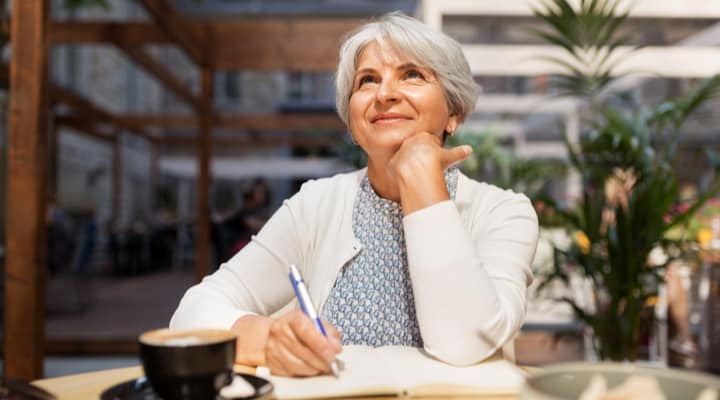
<point x="140" y="389"/>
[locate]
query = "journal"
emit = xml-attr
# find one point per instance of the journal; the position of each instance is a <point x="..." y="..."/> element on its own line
<point x="406" y="371"/>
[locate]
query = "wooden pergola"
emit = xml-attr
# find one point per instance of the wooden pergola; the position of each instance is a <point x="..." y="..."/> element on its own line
<point x="300" y="44"/>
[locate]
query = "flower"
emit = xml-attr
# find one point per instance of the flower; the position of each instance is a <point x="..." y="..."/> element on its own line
<point x="618" y="187"/>
<point x="582" y="241"/>
<point x="704" y="236"/>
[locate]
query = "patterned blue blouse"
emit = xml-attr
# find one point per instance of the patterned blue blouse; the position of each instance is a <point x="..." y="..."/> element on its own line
<point x="372" y="301"/>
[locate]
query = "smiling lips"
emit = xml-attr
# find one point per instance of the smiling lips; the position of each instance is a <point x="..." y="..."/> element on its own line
<point x="387" y="118"/>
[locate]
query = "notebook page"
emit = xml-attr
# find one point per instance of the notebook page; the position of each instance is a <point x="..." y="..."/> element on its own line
<point x="421" y="374"/>
<point x="362" y="373"/>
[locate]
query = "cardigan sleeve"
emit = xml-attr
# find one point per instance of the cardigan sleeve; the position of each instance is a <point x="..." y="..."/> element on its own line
<point x="253" y="281"/>
<point x="470" y="279"/>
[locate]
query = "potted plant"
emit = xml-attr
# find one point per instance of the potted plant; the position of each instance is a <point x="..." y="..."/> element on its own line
<point x="626" y="158"/>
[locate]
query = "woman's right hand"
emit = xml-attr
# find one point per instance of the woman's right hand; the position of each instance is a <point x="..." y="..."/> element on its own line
<point x="295" y="347"/>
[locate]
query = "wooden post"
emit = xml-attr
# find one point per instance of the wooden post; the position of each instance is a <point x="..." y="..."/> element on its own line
<point x="25" y="266"/>
<point x="117" y="176"/>
<point x="53" y="160"/>
<point x="154" y="173"/>
<point x="202" y="241"/>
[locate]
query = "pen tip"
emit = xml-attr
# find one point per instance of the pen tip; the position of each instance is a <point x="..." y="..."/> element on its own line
<point x="334" y="368"/>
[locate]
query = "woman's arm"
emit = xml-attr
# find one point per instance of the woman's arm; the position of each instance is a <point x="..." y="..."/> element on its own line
<point x="470" y="286"/>
<point x="254" y="284"/>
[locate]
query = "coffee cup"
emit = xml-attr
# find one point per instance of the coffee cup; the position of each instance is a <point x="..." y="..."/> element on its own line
<point x="187" y="364"/>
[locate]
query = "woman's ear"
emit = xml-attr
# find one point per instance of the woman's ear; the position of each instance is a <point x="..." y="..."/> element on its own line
<point x="452" y="124"/>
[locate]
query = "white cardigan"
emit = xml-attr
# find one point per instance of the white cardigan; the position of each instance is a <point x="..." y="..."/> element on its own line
<point x="469" y="261"/>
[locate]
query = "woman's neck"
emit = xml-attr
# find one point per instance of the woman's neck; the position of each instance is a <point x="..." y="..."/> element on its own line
<point x="384" y="185"/>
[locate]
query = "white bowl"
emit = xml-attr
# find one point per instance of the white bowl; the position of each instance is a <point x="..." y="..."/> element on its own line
<point x="569" y="380"/>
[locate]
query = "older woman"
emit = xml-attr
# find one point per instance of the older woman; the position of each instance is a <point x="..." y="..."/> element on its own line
<point x="408" y="251"/>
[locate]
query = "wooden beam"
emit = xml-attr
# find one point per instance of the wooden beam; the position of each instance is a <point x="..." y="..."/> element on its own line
<point x="257" y="44"/>
<point x="159" y="120"/>
<point x="84" y="126"/>
<point x="131" y="33"/>
<point x="248" y="143"/>
<point x="25" y="264"/>
<point x="256" y="122"/>
<point x="193" y="39"/>
<point x="202" y="248"/>
<point x="286" y="122"/>
<point x="86" y="108"/>
<point x="79" y="104"/>
<point x="308" y="44"/>
<point x="161" y="73"/>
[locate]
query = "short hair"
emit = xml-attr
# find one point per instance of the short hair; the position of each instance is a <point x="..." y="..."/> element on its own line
<point x="424" y="46"/>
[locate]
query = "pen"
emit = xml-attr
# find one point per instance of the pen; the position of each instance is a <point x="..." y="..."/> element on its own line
<point x="303" y="297"/>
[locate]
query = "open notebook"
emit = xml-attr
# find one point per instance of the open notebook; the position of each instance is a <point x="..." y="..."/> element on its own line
<point x="395" y="370"/>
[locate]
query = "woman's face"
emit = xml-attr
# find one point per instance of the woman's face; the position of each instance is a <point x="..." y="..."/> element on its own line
<point x="393" y="99"/>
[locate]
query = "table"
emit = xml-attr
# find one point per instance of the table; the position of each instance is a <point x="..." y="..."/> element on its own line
<point x="89" y="385"/>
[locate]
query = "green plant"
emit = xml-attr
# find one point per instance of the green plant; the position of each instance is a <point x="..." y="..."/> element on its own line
<point x="493" y="163"/>
<point x="626" y="157"/>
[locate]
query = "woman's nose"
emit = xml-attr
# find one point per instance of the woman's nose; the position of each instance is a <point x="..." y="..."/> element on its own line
<point x="388" y="92"/>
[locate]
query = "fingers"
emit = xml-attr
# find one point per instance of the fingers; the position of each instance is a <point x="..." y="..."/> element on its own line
<point x="310" y="363"/>
<point x="296" y="347"/>
<point x="334" y="336"/>
<point x="282" y="361"/>
<point x="453" y="155"/>
<point x="320" y="351"/>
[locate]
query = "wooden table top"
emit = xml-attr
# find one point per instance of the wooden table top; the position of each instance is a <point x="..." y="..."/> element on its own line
<point x="89" y="386"/>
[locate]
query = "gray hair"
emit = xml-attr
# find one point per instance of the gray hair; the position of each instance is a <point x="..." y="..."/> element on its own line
<point x="424" y="46"/>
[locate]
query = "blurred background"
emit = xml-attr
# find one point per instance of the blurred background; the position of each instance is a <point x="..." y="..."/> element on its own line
<point x="169" y="131"/>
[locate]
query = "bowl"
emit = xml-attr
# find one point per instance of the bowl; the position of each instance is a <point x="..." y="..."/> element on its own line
<point x="570" y="380"/>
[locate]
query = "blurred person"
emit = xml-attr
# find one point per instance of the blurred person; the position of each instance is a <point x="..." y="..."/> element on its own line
<point x="408" y="251"/>
<point x="252" y="216"/>
<point x="163" y="237"/>
<point x="87" y="246"/>
<point x="60" y="239"/>
<point x="135" y="246"/>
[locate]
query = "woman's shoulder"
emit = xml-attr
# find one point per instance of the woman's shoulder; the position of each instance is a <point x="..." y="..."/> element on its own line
<point x="333" y="187"/>
<point x="482" y="191"/>
<point x="351" y="178"/>
<point x="481" y="198"/>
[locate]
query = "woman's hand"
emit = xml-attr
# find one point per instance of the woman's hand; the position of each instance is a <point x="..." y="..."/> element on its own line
<point x="418" y="168"/>
<point x="295" y="347"/>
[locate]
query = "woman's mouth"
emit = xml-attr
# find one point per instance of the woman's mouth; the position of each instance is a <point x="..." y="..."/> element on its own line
<point x="388" y="118"/>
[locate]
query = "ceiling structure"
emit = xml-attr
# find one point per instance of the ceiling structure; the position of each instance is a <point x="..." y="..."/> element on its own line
<point x="680" y="39"/>
<point x="221" y="9"/>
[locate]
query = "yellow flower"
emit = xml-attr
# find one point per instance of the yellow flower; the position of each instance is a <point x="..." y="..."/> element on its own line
<point x="582" y="241"/>
<point x="704" y="236"/>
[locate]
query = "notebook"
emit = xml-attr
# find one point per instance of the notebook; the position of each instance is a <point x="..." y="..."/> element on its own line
<point x="404" y="371"/>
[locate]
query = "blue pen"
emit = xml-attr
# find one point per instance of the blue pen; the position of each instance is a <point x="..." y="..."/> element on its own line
<point x="303" y="297"/>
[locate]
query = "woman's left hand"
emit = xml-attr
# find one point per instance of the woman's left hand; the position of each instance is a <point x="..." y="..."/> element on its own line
<point x="418" y="168"/>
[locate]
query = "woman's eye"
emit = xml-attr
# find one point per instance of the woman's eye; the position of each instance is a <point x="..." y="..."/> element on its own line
<point x="413" y="74"/>
<point x="365" y="79"/>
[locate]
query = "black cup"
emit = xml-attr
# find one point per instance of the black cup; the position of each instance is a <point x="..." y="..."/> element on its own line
<point x="187" y="364"/>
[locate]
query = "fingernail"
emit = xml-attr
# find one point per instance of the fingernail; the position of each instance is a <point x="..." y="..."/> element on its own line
<point x="335" y="343"/>
<point x="468" y="150"/>
<point x="328" y="355"/>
